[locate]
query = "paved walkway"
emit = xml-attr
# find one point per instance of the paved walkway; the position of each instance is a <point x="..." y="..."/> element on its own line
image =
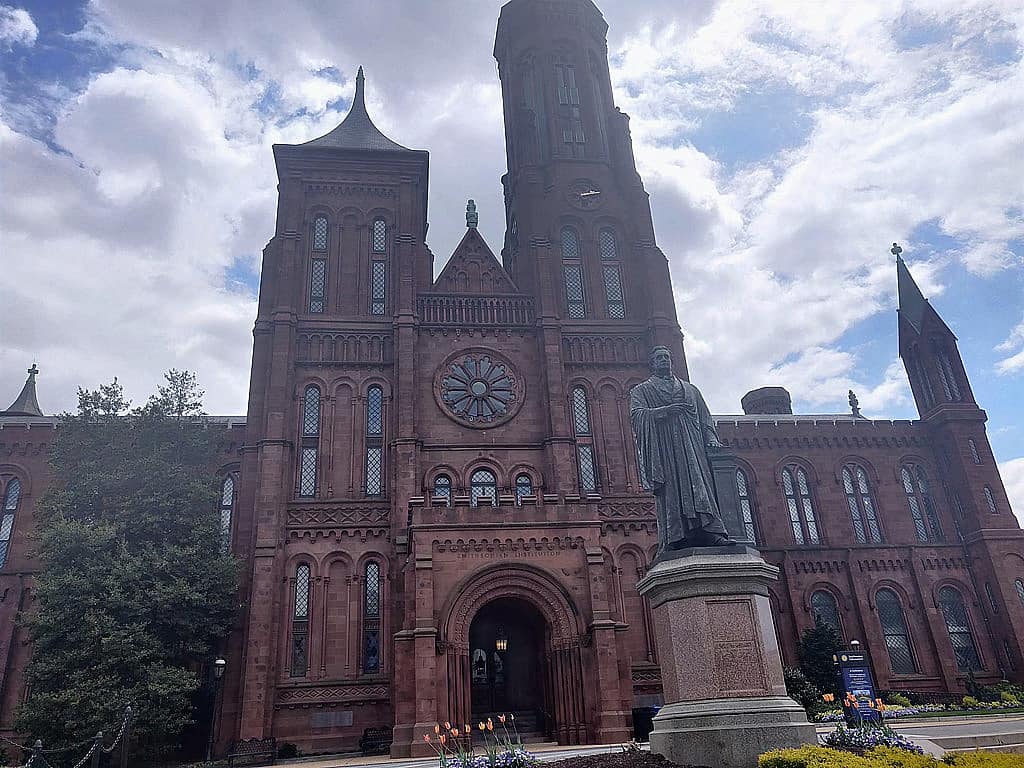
<point x="922" y="730"/>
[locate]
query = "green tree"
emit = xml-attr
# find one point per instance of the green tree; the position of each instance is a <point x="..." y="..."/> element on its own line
<point x="817" y="647"/>
<point x="135" y="590"/>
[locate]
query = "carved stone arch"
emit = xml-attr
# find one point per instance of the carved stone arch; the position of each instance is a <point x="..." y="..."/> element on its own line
<point x="380" y="381"/>
<point x="296" y="559"/>
<point x="913" y="458"/>
<point x="20" y="472"/>
<point x="381" y="212"/>
<point x="794" y="460"/>
<point x="341" y="382"/>
<point x="853" y="458"/>
<point x="608" y="381"/>
<point x="635" y="550"/>
<point x="526" y="469"/>
<point x="441" y="469"/>
<point x="335" y="557"/>
<point x="528" y="583"/>
<point x="826" y="586"/>
<point x="970" y="599"/>
<point x="906" y="598"/>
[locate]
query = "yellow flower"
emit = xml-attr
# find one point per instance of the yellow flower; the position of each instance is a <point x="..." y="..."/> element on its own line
<point x="468" y="728"/>
<point x="481" y="726"/>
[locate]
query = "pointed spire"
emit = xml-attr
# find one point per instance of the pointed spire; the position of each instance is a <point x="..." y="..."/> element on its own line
<point x="26" y="404"/>
<point x="912" y="302"/>
<point x="357" y="130"/>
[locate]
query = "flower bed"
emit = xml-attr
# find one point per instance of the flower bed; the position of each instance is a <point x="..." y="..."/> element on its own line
<point x="868" y="737"/>
<point x="883" y="757"/>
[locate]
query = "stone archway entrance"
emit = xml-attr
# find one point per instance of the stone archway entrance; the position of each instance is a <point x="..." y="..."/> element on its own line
<point x="508" y="663"/>
<point x="539" y="616"/>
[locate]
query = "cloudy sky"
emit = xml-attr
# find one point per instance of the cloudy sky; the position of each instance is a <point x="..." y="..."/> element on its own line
<point x="786" y="145"/>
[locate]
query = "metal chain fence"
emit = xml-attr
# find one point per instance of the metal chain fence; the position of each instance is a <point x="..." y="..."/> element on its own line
<point x="38" y="757"/>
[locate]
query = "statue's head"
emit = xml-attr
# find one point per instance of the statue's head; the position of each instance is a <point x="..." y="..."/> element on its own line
<point x="660" y="361"/>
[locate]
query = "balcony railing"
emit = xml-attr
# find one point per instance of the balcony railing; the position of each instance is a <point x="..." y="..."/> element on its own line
<point x="447" y="309"/>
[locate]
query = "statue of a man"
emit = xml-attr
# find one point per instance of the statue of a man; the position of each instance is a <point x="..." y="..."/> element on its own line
<point x="674" y="431"/>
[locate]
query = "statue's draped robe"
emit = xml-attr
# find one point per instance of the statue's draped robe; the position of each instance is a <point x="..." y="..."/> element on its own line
<point x="673" y="457"/>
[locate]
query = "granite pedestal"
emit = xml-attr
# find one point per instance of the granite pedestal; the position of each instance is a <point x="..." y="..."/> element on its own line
<point x="721" y="671"/>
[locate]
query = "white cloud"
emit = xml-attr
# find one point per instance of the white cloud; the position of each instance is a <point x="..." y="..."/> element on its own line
<point x="168" y="178"/>
<point x="1012" y="472"/>
<point x="16" y="27"/>
<point x="1013" y="363"/>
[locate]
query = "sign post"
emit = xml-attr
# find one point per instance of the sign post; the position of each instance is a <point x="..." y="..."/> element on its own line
<point x="857" y="684"/>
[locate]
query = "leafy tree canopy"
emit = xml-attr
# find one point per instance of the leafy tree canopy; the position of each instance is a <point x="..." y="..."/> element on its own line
<point x="135" y="589"/>
<point x="817" y="647"/>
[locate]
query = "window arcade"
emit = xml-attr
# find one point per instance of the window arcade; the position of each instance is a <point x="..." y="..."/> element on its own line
<point x="861" y="504"/>
<point x="954" y="611"/>
<point x="11" y="497"/>
<point x="483" y="488"/>
<point x="922" y="509"/>
<point x="800" y="504"/>
<point x="894" y="629"/>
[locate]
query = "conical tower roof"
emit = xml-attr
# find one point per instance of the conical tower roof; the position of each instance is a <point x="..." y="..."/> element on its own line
<point x="26" y="404"/>
<point x="357" y="130"/>
<point x="912" y="302"/>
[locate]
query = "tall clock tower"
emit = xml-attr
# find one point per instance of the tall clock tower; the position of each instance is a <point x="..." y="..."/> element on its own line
<point x="579" y="233"/>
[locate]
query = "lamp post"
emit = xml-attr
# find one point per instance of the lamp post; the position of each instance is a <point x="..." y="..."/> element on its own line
<point x="218" y="675"/>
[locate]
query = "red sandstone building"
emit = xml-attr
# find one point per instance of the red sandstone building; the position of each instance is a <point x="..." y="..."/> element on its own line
<point x="435" y="487"/>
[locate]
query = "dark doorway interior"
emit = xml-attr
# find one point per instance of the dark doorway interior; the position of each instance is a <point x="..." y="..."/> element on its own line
<point x="506" y="651"/>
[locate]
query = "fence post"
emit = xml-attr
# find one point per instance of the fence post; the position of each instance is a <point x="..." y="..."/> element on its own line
<point x="127" y="736"/>
<point x="37" y="751"/>
<point x="97" y="750"/>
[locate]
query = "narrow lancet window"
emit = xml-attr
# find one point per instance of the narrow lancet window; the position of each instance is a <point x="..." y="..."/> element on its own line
<point x="11" y="497"/>
<point x="300" y="622"/>
<point x="371" y="620"/>
<point x="375" y="441"/>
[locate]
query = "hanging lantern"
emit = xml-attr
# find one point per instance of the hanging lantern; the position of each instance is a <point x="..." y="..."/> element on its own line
<point x="501" y="643"/>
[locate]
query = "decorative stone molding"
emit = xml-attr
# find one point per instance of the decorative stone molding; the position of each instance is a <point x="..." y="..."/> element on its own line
<point x="330" y="694"/>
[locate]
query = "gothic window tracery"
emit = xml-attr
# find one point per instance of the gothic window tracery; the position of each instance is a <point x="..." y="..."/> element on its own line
<point x="802" y="517"/>
<point x="318" y="266"/>
<point x="746" y="505"/>
<point x="11" y="498"/>
<point x="300" y="622"/>
<point x="310" y="441"/>
<point x="371" y="619"/>
<point x="958" y="625"/>
<point x="375" y="441"/>
<point x="227" y="506"/>
<point x="919" y="500"/>
<point x="894" y="628"/>
<point x="861" y="504"/>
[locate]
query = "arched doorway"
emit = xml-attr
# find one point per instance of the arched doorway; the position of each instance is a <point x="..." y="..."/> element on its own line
<point x="507" y="663"/>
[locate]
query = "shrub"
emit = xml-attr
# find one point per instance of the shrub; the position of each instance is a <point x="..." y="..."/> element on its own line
<point x="287" y="750"/>
<point x="969" y="702"/>
<point x="1005" y="697"/>
<point x="868" y="737"/>
<point x="802" y="691"/>
<point x="983" y="760"/>
<point x="897" y="700"/>
<point x="882" y="757"/>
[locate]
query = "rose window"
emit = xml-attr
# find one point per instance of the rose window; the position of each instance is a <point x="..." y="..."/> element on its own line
<point x="478" y="388"/>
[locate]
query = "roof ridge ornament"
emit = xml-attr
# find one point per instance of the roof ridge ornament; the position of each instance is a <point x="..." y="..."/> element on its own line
<point x="472" y="217"/>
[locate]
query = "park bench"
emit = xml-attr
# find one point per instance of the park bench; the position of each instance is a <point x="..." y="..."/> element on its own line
<point x="375" y="741"/>
<point x="252" y="749"/>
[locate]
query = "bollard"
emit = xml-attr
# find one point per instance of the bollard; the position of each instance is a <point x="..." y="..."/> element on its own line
<point x="126" y="737"/>
<point x="97" y="750"/>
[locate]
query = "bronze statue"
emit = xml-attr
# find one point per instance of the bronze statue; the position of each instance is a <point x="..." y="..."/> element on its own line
<point x="674" y="432"/>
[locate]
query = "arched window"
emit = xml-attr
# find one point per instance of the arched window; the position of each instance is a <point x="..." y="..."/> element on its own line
<point x="310" y="442"/>
<point x="524" y="487"/>
<point x="950" y="387"/>
<point x="12" y="495"/>
<point x="483" y="487"/>
<point x="951" y="602"/>
<point x="371" y="619"/>
<point x="801" y="505"/>
<point x="1011" y="657"/>
<point x="746" y="506"/>
<point x="227" y="506"/>
<point x="379" y="268"/>
<point x="862" y="507"/>
<point x="443" y="488"/>
<point x="922" y="510"/>
<point x="1019" y="586"/>
<point x="927" y="393"/>
<point x="825" y="609"/>
<point x="374" y="441"/>
<point x="575" y="296"/>
<point x="380" y="236"/>
<point x="300" y="622"/>
<point x="974" y="451"/>
<point x="991" y="598"/>
<point x="990" y="500"/>
<point x="609" y="252"/>
<point x="585" y="460"/>
<point x="318" y="266"/>
<point x="894" y="629"/>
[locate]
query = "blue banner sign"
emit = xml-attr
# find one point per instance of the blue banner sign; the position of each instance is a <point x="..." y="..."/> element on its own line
<point x="858" y="688"/>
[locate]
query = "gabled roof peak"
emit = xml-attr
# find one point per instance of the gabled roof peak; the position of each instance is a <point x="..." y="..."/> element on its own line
<point x="357" y="130"/>
<point x="26" y="403"/>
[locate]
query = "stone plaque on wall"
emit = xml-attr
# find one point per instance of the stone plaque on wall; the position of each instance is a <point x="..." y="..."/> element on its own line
<point x="332" y="718"/>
